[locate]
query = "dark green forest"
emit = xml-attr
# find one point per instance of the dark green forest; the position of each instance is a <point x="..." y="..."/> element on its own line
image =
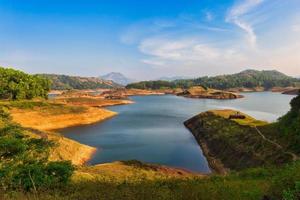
<point x="246" y="79"/>
<point x="16" y="85"/>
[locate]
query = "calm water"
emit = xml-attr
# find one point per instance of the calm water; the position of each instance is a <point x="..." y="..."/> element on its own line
<point x="152" y="129"/>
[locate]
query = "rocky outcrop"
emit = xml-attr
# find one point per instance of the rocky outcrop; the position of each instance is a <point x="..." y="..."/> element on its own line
<point x="287" y="90"/>
<point x="244" y="89"/>
<point x="234" y="144"/>
<point x="295" y="91"/>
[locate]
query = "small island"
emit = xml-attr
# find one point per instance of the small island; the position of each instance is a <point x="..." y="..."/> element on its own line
<point x="208" y="93"/>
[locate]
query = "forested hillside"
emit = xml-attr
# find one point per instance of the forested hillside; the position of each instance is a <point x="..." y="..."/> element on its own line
<point x="64" y="82"/>
<point x="289" y="125"/>
<point x="244" y="79"/>
<point x="15" y="84"/>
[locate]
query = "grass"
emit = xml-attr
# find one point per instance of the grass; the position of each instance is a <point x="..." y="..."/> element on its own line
<point x="250" y="184"/>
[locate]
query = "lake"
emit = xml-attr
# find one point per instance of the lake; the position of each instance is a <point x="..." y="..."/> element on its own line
<point x="152" y="130"/>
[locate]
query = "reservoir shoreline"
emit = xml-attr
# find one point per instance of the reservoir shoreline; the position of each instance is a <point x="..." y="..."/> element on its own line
<point x="171" y="107"/>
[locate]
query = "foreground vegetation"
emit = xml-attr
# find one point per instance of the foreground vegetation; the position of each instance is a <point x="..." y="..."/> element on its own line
<point x="24" y="161"/>
<point x="252" y="184"/>
<point x="244" y="79"/>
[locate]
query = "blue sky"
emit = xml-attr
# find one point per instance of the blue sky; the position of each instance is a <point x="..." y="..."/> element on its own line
<point x="150" y="39"/>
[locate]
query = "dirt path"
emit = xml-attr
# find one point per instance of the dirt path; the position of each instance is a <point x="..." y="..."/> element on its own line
<point x="295" y="157"/>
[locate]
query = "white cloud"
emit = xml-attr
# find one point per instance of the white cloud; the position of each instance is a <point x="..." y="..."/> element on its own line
<point x="296" y="28"/>
<point x="209" y="16"/>
<point x="236" y="14"/>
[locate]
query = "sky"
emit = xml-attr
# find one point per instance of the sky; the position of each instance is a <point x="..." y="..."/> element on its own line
<point x="148" y="39"/>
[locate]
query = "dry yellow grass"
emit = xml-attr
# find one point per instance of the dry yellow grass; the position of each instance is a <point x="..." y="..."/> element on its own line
<point x="68" y="149"/>
<point x="196" y="90"/>
<point x="250" y="121"/>
<point x="91" y="101"/>
<point x="120" y="172"/>
<point x="64" y="148"/>
<point x="37" y="119"/>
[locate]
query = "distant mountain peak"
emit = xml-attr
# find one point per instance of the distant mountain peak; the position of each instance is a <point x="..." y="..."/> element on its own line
<point x="117" y="77"/>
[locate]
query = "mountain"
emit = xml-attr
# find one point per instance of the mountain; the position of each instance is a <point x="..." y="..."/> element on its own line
<point x="265" y="79"/>
<point x="273" y="74"/>
<point x="248" y="79"/>
<point x="117" y="78"/>
<point x="64" y="82"/>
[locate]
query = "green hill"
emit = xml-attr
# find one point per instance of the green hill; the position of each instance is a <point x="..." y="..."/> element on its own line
<point x="64" y="82"/>
<point x="245" y="79"/>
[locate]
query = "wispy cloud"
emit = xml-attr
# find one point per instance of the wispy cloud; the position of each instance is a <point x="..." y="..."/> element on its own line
<point x="191" y="51"/>
<point x="236" y="13"/>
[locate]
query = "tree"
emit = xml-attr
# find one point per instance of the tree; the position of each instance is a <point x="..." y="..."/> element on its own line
<point x="18" y="85"/>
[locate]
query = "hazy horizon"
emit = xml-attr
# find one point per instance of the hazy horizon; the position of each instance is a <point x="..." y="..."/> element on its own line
<point x="150" y="39"/>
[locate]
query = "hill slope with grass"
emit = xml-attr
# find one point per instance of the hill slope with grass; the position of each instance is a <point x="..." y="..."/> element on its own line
<point x="65" y="82"/>
<point x="238" y="144"/>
